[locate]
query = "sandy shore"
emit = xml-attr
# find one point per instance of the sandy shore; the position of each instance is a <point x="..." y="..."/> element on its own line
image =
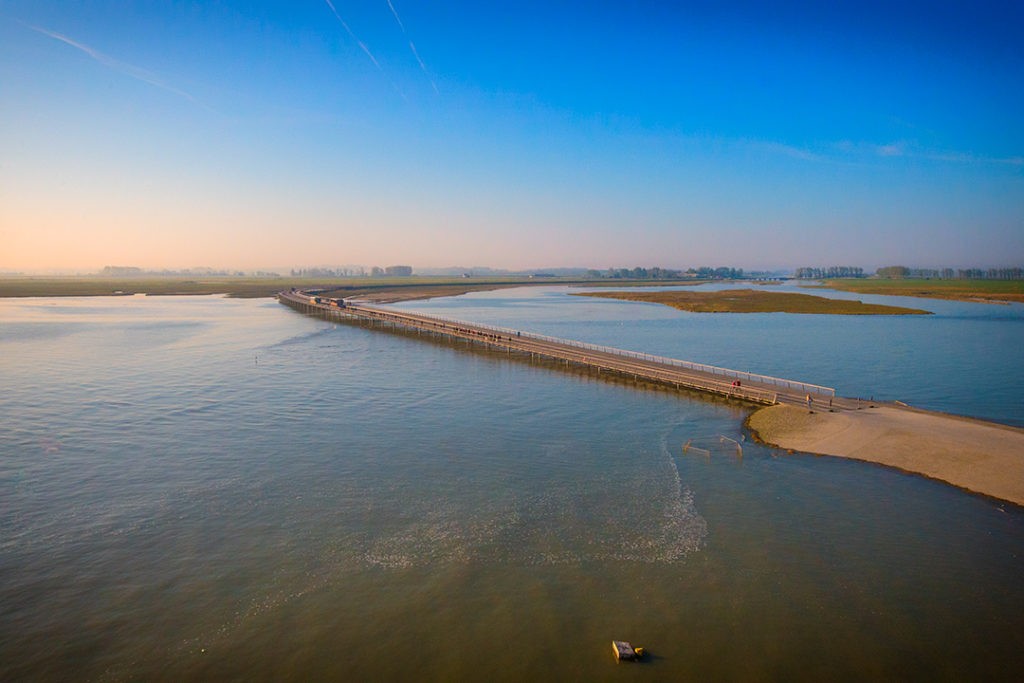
<point x="983" y="457"/>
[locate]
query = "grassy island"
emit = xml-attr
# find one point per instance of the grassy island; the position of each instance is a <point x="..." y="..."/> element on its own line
<point x="990" y="291"/>
<point x="751" y="301"/>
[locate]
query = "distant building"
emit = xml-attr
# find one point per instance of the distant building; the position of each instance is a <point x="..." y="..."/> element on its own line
<point x="398" y="271"/>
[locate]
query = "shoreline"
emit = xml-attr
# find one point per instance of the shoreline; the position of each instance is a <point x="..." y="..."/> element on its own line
<point x="981" y="457"/>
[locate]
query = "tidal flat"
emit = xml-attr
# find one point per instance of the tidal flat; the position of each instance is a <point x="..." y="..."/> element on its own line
<point x="990" y="291"/>
<point x="751" y="301"/>
<point x="975" y="455"/>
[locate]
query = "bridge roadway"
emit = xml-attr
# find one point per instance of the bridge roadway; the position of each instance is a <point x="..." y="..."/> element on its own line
<point x="745" y="386"/>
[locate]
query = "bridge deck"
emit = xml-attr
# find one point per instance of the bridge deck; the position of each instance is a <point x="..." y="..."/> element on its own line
<point x="745" y="386"/>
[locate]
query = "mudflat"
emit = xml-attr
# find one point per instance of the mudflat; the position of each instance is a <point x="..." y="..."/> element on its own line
<point x="982" y="457"/>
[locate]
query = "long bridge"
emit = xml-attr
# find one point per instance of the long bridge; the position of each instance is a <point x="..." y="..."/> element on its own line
<point x="681" y="374"/>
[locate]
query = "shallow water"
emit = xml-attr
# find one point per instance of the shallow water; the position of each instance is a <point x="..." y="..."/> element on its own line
<point x="200" y="488"/>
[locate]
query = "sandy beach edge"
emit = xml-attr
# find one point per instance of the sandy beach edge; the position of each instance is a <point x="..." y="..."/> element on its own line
<point x="981" y="457"/>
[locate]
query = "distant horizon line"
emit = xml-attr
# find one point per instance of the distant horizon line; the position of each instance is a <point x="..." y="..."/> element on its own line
<point x="366" y="271"/>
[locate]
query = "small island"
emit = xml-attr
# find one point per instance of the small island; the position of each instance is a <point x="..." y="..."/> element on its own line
<point x="984" y="291"/>
<point x="751" y="301"/>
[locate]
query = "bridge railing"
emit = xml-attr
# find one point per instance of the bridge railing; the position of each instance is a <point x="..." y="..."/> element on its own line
<point x="802" y="387"/>
<point x="618" y="362"/>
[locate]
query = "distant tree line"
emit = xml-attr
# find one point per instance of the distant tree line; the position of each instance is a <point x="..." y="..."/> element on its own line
<point x="720" y="273"/>
<point x="392" y="271"/>
<point x="134" y="271"/>
<point x="905" y="273"/>
<point x="638" y="273"/>
<point x="830" y="272"/>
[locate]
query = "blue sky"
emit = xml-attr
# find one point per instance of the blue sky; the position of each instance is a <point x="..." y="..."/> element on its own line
<point x="529" y="134"/>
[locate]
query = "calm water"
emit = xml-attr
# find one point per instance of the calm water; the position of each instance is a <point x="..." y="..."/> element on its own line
<point x="965" y="358"/>
<point x="199" y="488"/>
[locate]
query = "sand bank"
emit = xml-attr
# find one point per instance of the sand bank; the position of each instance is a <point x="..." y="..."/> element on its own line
<point x="983" y="457"/>
<point x="755" y="301"/>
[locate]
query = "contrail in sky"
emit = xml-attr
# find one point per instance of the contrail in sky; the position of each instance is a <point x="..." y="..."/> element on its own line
<point x="111" y="63"/>
<point x="397" y="18"/>
<point x="349" y="30"/>
<point x="412" y="47"/>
